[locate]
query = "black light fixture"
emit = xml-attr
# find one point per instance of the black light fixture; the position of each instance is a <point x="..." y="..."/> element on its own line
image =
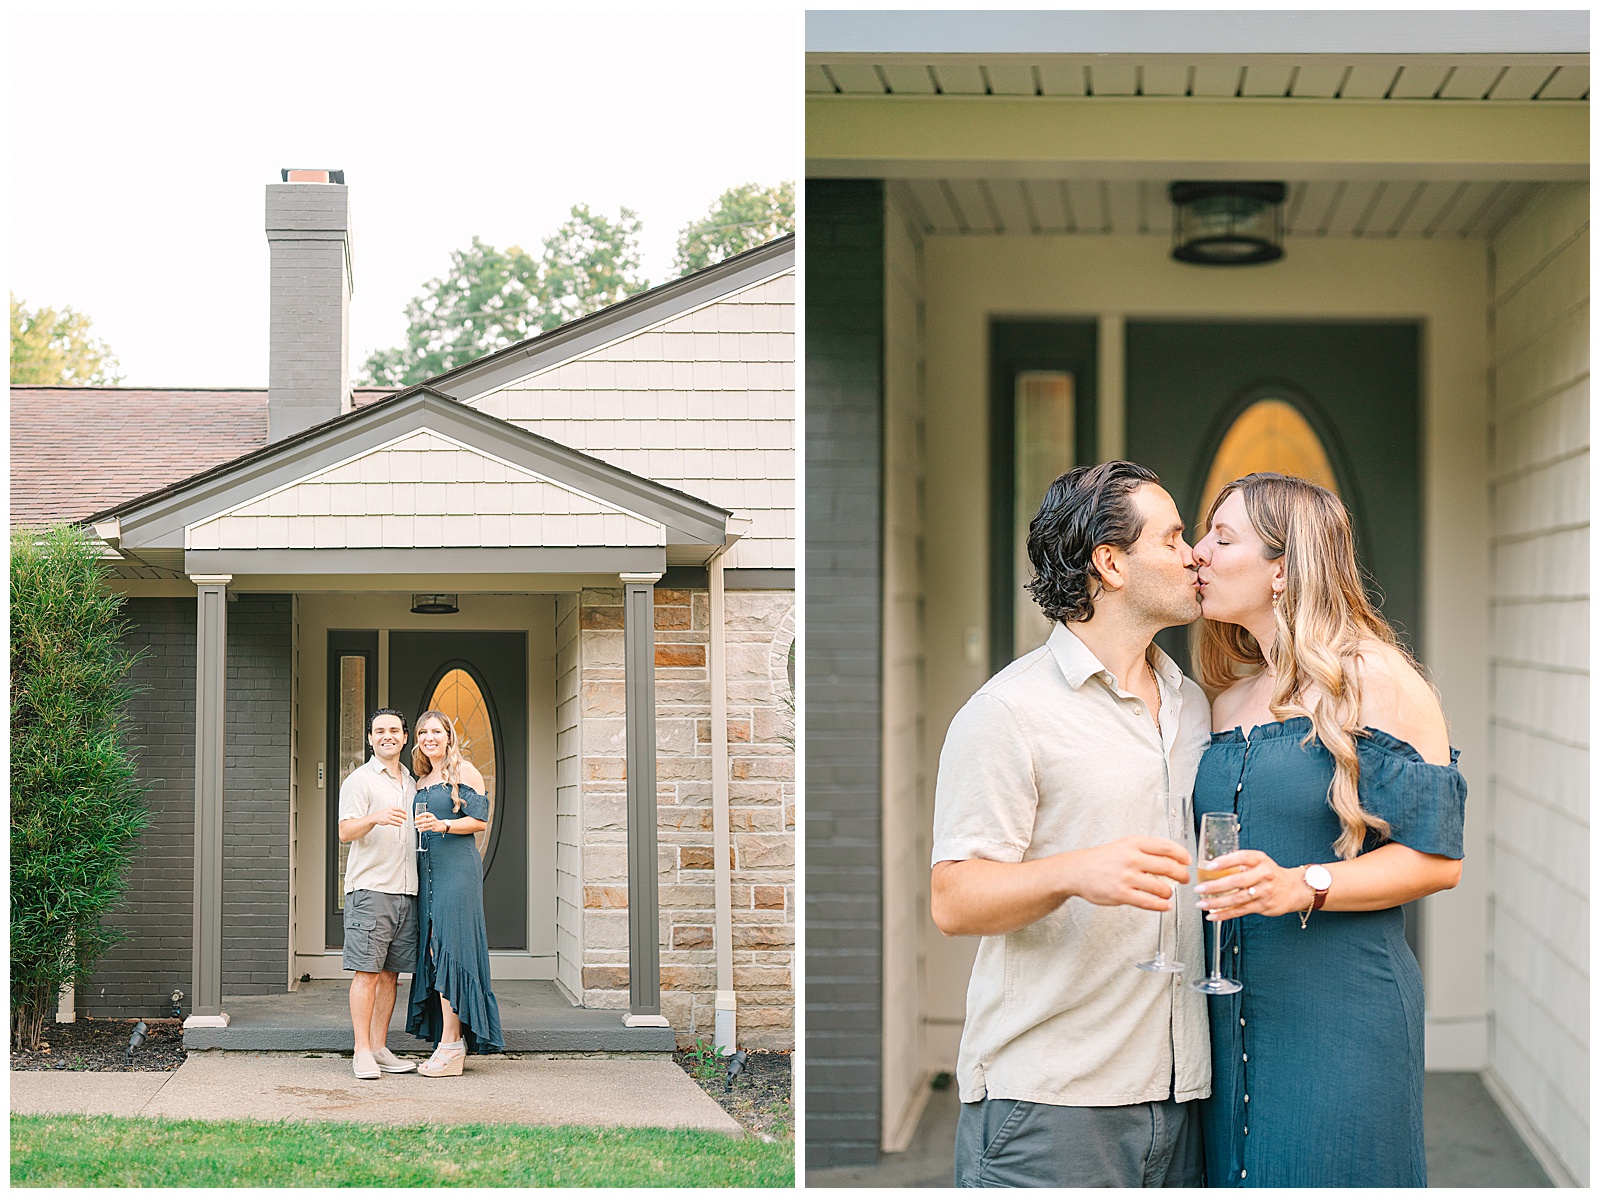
<point x="137" y="1039"/>
<point x="434" y="605"/>
<point x="1227" y="224"/>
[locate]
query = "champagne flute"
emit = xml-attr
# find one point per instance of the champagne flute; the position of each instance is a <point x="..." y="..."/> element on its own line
<point x="1219" y="836"/>
<point x="422" y="837"/>
<point x="1159" y="963"/>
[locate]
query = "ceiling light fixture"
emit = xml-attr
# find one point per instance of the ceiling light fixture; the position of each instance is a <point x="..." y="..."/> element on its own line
<point x="1227" y="224"/>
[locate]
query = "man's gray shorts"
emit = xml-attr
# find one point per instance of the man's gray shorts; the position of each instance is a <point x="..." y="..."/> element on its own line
<point x="1004" y="1142"/>
<point x="380" y="931"/>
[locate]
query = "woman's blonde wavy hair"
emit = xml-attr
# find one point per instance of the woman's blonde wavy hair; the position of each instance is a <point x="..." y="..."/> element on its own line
<point x="451" y="769"/>
<point x="1323" y="615"/>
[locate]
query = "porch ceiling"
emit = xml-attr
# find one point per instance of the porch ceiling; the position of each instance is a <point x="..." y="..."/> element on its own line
<point x="1370" y="208"/>
<point x="1392" y="77"/>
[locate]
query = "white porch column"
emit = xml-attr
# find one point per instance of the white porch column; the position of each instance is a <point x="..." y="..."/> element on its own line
<point x="211" y="675"/>
<point x="639" y="686"/>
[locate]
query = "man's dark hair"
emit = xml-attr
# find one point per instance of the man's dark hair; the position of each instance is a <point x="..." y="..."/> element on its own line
<point x="404" y="727"/>
<point x="1086" y="507"/>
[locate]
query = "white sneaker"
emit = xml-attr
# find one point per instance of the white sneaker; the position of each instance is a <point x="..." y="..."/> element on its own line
<point x="365" y="1066"/>
<point x="389" y="1063"/>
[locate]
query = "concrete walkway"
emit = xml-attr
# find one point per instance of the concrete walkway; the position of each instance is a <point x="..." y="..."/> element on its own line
<point x="1468" y="1141"/>
<point x="547" y="1092"/>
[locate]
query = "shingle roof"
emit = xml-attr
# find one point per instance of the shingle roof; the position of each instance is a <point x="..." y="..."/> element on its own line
<point x="79" y="450"/>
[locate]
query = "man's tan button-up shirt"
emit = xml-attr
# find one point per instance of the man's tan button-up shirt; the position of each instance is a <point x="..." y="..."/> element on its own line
<point x="1052" y="755"/>
<point x="385" y="858"/>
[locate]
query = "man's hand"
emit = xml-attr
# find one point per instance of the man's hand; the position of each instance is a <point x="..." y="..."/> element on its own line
<point x="358" y="826"/>
<point x="977" y="897"/>
<point x="1130" y="872"/>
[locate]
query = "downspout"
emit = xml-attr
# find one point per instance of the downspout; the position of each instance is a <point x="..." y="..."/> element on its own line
<point x="726" y="1033"/>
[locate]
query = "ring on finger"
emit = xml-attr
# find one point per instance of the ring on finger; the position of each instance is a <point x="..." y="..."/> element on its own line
<point x="1252" y="892"/>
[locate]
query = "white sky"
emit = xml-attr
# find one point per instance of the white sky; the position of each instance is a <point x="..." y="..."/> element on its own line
<point x="142" y="144"/>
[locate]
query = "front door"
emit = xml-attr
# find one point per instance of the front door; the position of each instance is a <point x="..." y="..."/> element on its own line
<point x="1337" y="403"/>
<point x="480" y="680"/>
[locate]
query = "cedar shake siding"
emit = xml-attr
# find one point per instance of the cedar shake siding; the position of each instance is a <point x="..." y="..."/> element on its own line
<point x="135" y="978"/>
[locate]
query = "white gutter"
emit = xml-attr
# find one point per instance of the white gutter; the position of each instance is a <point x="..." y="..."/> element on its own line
<point x="726" y="1033"/>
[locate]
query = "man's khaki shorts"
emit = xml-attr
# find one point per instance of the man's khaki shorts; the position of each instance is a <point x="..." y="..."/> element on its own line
<point x="380" y="931"/>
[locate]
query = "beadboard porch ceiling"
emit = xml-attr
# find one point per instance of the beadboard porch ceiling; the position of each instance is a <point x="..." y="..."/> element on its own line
<point x="1398" y="77"/>
<point x="1366" y="208"/>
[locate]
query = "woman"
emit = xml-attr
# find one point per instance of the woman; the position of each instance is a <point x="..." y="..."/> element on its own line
<point x="451" y="1003"/>
<point x="1332" y="749"/>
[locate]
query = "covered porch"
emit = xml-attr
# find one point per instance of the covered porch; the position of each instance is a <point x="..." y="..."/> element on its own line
<point x="418" y="553"/>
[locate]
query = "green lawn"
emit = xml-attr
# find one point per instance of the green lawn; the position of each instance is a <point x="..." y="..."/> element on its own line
<point x="100" y="1150"/>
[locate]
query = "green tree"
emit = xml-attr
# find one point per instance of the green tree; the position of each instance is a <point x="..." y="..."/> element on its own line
<point x="76" y="805"/>
<point x="491" y="298"/>
<point x="54" y="349"/>
<point x="741" y="219"/>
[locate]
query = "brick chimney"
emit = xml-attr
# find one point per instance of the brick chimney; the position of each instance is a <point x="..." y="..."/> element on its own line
<point x="308" y="369"/>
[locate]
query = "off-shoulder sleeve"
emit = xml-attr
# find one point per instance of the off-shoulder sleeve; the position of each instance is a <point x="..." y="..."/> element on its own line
<point x="1424" y="803"/>
<point x="473" y="804"/>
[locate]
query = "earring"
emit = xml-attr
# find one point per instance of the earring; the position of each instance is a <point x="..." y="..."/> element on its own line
<point x="1275" y="596"/>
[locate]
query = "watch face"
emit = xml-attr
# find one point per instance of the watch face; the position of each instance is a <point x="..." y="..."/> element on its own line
<point x="1318" y="878"/>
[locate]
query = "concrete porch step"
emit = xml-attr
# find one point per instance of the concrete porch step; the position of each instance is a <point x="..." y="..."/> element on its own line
<point x="316" y="1018"/>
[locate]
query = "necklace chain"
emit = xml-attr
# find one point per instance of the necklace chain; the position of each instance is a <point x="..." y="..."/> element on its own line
<point x="1156" y="682"/>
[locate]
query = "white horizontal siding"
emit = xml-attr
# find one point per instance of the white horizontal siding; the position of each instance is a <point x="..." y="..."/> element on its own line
<point x="1539" y="654"/>
<point x="424" y="491"/>
<point x="703" y="402"/>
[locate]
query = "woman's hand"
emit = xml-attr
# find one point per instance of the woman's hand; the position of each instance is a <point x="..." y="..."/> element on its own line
<point x="1260" y="886"/>
<point x="428" y="822"/>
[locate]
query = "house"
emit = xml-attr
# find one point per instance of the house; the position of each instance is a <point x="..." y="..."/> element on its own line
<point x="992" y="296"/>
<point x="580" y="545"/>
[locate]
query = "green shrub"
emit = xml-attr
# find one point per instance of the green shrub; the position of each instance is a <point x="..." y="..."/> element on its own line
<point x="75" y="804"/>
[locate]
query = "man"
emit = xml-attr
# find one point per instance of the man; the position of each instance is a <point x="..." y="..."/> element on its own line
<point x="380" y="889"/>
<point x="1061" y="819"/>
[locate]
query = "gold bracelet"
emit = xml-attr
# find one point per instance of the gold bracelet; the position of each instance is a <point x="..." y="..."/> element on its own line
<point x="1306" y="914"/>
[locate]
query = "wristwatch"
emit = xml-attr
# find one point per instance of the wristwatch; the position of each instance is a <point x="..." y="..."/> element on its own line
<point x="1319" y="879"/>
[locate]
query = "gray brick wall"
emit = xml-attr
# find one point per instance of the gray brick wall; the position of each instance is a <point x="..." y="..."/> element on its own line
<point x="255" y="861"/>
<point x="308" y="368"/>
<point x="156" y="914"/>
<point x="843" y="662"/>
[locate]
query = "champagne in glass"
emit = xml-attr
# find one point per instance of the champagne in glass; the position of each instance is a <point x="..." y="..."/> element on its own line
<point x="422" y="837"/>
<point x="1219" y="836"/>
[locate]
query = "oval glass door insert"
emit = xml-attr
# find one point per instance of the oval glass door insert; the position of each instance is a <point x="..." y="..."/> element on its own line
<point x="460" y="697"/>
<point x="1269" y="435"/>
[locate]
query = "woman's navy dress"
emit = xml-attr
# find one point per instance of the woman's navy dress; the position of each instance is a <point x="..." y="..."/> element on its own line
<point x="1317" y="1062"/>
<point x="453" y="958"/>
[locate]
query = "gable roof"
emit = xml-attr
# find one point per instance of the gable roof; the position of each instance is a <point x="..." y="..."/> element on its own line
<point x="75" y="450"/>
<point x="648" y="307"/>
<point x="156" y="528"/>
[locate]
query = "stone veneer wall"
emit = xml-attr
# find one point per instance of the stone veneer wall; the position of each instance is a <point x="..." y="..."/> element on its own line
<point x="760" y="630"/>
<point x="569" y="809"/>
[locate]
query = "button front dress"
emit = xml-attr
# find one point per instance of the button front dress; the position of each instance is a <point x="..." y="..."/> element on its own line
<point x="453" y="959"/>
<point x="1317" y="1062"/>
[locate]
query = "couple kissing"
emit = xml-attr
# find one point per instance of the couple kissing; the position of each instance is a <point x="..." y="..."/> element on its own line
<point x="1069" y="791"/>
